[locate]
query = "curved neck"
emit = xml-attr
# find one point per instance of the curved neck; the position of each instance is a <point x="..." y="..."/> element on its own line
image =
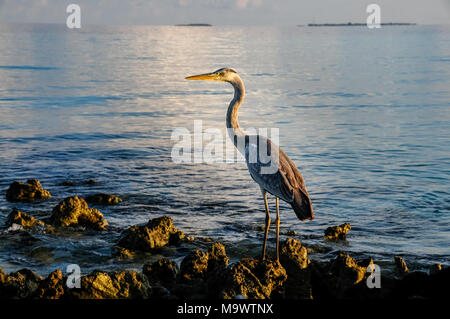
<point x="233" y="108"/>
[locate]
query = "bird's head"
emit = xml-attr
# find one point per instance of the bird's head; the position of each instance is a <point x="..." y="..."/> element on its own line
<point x="221" y="75"/>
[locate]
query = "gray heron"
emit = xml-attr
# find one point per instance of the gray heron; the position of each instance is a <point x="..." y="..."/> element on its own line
<point x="284" y="182"/>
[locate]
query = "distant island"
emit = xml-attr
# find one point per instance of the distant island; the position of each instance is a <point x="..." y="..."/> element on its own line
<point x="194" y="25"/>
<point x="352" y="24"/>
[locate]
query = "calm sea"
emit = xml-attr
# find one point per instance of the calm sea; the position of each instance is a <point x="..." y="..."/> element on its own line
<point x="365" y="115"/>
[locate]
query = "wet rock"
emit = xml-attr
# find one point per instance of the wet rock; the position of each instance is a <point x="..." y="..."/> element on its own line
<point x="90" y="182"/>
<point x="21" y="192"/>
<point x="217" y="258"/>
<point x="194" y="265"/>
<point x="347" y="270"/>
<point x="341" y="278"/>
<point x="19" y="218"/>
<point x="293" y="254"/>
<point x="313" y="249"/>
<point x="103" y="199"/>
<point x="290" y="232"/>
<point x="254" y="279"/>
<point x="116" y="285"/>
<point x="19" y="285"/>
<point x="163" y="272"/>
<point x="420" y="285"/>
<point x="3" y="276"/>
<point x="438" y="284"/>
<point x="202" y="273"/>
<point x="51" y="287"/>
<point x="122" y="253"/>
<point x="74" y="211"/>
<point x="294" y="258"/>
<point x="400" y="265"/>
<point x="67" y="183"/>
<point x="413" y="285"/>
<point x="158" y="232"/>
<point x="337" y="232"/>
<point x="435" y="269"/>
<point x="200" y="264"/>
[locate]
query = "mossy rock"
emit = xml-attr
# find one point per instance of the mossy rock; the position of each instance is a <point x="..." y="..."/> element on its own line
<point x="26" y="192"/>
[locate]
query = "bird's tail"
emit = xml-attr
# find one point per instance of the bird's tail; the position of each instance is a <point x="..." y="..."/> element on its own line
<point x="302" y="205"/>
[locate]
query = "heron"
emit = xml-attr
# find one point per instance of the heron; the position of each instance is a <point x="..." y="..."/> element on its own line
<point x="285" y="182"/>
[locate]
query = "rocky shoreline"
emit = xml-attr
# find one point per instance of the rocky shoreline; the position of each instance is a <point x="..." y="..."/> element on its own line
<point x="204" y="273"/>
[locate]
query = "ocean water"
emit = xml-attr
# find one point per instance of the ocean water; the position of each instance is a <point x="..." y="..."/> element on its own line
<point x="365" y="115"/>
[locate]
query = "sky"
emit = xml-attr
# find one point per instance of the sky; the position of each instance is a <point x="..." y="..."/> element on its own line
<point x="224" y="12"/>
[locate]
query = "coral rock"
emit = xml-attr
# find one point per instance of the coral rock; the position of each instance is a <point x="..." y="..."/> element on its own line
<point x="51" y="287"/>
<point x="400" y="265"/>
<point x="21" y="192"/>
<point x="164" y="271"/>
<point x="337" y="232"/>
<point x="435" y="269"/>
<point x="19" y="285"/>
<point x="294" y="258"/>
<point x="194" y="265"/>
<point x="156" y="233"/>
<point x="254" y="279"/>
<point x="347" y="270"/>
<point x="19" y="218"/>
<point x="67" y="183"/>
<point x="74" y="211"/>
<point x="120" y="285"/>
<point x="217" y="258"/>
<point x="293" y="254"/>
<point x="103" y="199"/>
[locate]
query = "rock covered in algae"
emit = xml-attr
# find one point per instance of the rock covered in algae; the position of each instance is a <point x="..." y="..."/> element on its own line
<point x="254" y="279"/>
<point x="103" y="199"/>
<point x="23" y="219"/>
<point x="337" y="232"/>
<point x="194" y="265"/>
<point x="347" y="270"/>
<point x="200" y="264"/>
<point x="400" y="265"/>
<point x="67" y="183"/>
<point x="341" y="278"/>
<point x="202" y="273"/>
<point x="294" y="258"/>
<point x="51" y="287"/>
<point x="435" y="268"/>
<point x="158" y="232"/>
<point x="26" y="192"/>
<point x="293" y="254"/>
<point x="21" y="284"/>
<point x="114" y="285"/>
<point x="122" y="253"/>
<point x="74" y="211"/>
<point x="163" y="271"/>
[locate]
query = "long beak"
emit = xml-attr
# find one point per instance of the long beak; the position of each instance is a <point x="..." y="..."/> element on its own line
<point x="206" y="76"/>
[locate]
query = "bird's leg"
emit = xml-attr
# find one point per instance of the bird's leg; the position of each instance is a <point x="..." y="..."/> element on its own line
<point x="266" y="230"/>
<point x="278" y="227"/>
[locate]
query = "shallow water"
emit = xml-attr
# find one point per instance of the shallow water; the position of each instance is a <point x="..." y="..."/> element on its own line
<point x="363" y="113"/>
